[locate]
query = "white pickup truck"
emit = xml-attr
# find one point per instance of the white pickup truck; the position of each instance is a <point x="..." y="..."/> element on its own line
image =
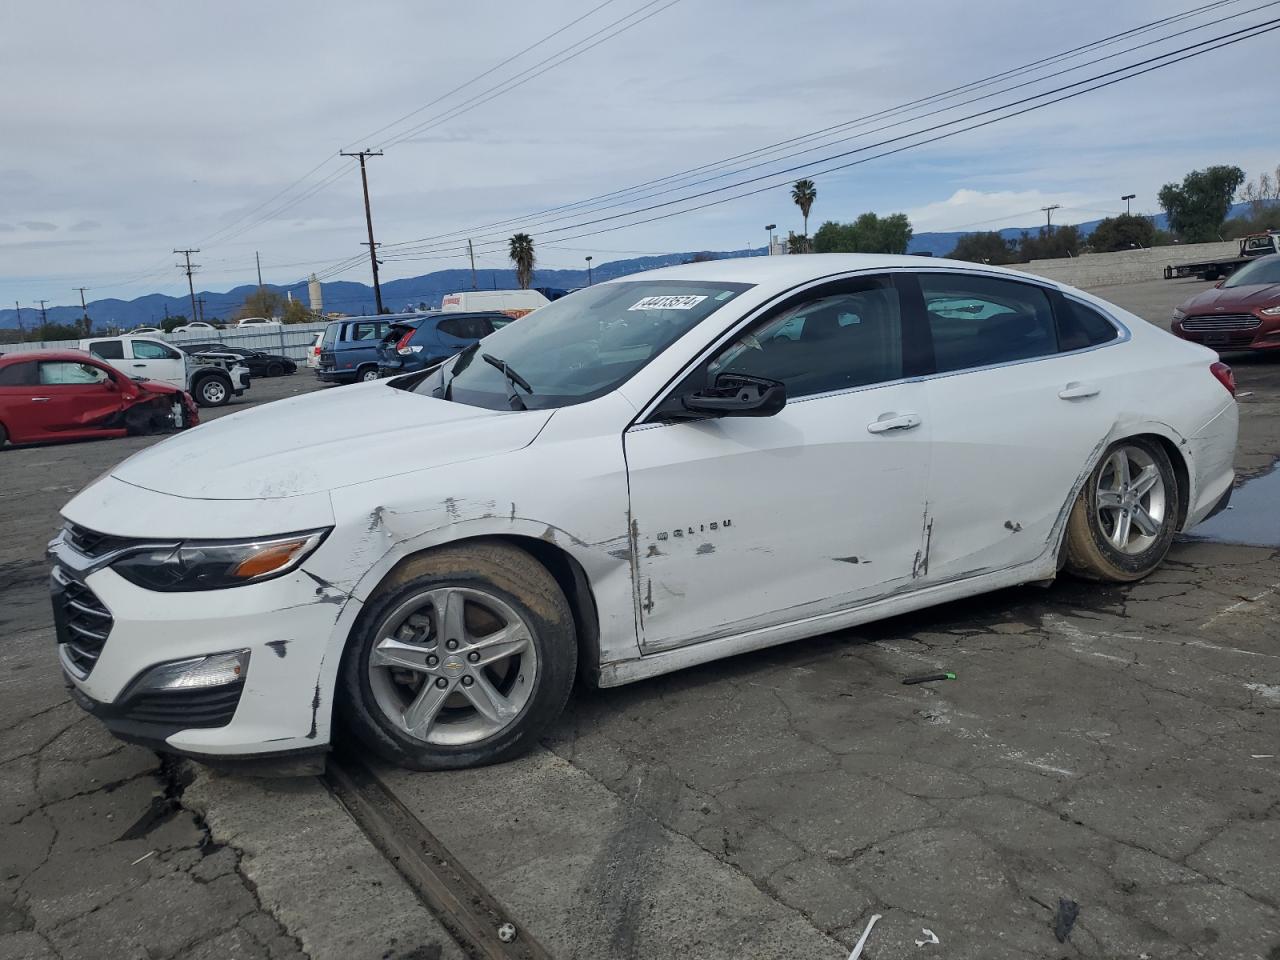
<point x="212" y="381"/>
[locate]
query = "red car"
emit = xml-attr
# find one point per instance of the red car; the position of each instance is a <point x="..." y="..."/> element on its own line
<point x="1241" y="313"/>
<point x="69" y="395"/>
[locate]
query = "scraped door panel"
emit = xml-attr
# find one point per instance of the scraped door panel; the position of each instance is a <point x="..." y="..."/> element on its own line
<point x="744" y="523"/>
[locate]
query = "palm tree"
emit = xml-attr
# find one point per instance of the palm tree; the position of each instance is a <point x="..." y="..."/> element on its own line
<point x="803" y="192"/>
<point x="522" y="257"/>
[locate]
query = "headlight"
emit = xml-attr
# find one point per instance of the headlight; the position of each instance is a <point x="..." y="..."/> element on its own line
<point x="1179" y="314"/>
<point x="217" y="564"/>
<point x="1271" y="311"/>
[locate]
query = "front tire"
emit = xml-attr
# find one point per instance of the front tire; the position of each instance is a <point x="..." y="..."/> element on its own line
<point x="463" y="657"/>
<point x="212" y="392"/>
<point x="1126" y="516"/>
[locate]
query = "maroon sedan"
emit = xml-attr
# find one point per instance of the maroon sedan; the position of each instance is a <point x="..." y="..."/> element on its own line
<point x="69" y="395"/>
<point x="1240" y="313"/>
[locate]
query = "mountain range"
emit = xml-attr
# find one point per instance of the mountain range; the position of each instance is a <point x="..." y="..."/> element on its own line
<point x="357" y="298"/>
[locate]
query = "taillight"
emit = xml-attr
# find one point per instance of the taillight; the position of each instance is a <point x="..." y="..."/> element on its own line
<point x="402" y="346"/>
<point x="1224" y="375"/>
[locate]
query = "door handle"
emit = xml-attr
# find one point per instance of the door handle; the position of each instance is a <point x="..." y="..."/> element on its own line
<point x="893" y="421"/>
<point x="139" y="364"/>
<point x="39" y="399"/>
<point x="1076" y="390"/>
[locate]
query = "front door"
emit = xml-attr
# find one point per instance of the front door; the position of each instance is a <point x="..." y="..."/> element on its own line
<point x="73" y="398"/>
<point x="742" y="523"/>
<point x="153" y="360"/>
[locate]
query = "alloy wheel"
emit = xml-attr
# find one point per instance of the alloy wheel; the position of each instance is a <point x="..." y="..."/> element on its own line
<point x="214" y="392"/>
<point x="452" y="666"/>
<point x="1130" y="500"/>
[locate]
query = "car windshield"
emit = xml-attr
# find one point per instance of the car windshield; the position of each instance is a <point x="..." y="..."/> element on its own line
<point x="578" y="348"/>
<point x="1262" y="272"/>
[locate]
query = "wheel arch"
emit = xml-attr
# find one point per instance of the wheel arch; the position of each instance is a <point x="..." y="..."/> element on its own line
<point x="1170" y="441"/>
<point x="564" y="568"/>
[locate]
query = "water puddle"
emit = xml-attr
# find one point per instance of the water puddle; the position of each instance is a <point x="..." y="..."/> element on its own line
<point x="1253" y="519"/>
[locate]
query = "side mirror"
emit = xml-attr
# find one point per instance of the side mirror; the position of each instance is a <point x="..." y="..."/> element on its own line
<point x="736" y="395"/>
<point x="1220" y="282"/>
<point x="110" y="383"/>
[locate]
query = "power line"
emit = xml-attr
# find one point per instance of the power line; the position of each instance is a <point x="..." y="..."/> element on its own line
<point x="1131" y="70"/>
<point x="946" y="94"/>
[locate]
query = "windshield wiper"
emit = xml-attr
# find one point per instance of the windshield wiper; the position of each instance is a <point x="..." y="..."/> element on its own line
<point x="514" y="378"/>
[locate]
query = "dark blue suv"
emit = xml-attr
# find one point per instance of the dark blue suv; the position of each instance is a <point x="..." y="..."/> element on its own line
<point x="421" y="341"/>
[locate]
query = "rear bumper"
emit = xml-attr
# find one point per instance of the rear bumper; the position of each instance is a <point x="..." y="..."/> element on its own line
<point x="335" y="376"/>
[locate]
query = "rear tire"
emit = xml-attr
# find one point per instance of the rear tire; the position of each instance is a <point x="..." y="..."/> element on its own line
<point x="4" y="435"/>
<point x="462" y="657"/>
<point x="1126" y="515"/>
<point x="367" y="374"/>
<point x="275" y="370"/>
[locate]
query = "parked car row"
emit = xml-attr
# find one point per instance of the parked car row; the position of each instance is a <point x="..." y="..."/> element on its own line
<point x="212" y="379"/>
<point x="367" y="348"/>
<point x="260" y="362"/>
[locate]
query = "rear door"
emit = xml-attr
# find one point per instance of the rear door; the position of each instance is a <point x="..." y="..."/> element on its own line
<point x="20" y="411"/>
<point x="153" y="360"/>
<point x="453" y="335"/>
<point x="1020" y="399"/>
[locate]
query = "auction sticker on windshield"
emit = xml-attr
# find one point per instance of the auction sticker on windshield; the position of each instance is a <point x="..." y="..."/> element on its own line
<point x="685" y="302"/>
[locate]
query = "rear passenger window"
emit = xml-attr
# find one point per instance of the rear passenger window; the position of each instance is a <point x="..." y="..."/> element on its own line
<point x="108" y="349"/>
<point x="978" y="321"/>
<point x="850" y="336"/>
<point x="18" y="375"/>
<point x="148" y="350"/>
<point x="1082" y="326"/>
<point x="455" y="327"/>
<point x="367" y="330"/>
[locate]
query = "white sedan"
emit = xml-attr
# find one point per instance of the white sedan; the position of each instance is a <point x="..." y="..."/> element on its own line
<point x="658" y="472"/>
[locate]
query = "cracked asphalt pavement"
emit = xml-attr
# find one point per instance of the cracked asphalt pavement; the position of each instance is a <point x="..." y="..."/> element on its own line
<point x="1118" y="747"/>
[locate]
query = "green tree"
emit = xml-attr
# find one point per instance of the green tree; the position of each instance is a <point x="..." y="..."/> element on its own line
<point x="1049" y="244"/>
<point x="797" y="243"/>
<point x="868" y="234"/>
<point x="988" y="247"/>
<point x="1198" y="205"/>
<point x="1122" y="233"/>
<point x="295" y="311"/>
<point x="261" y="303"/>
<point x="174" y="320"/>
<point x="523" y="257"/>
<point x="803" y="193"/>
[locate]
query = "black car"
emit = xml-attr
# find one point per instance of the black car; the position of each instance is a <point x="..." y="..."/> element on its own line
<point x="260" y="364"/>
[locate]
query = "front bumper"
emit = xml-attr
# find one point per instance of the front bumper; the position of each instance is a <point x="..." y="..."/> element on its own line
<point x="1264" y="336"/>
<point x="286" y="624"/>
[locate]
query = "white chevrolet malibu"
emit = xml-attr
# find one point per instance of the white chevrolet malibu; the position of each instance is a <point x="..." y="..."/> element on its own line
<point x="648" y="474"/>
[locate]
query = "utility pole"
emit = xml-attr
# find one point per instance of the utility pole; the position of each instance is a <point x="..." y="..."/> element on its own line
<point x="84" y="310"/>
<point x="22" y="334"/>
<point x="44" y="316"/>
<point x="258" y="258"/>
<point x="588" y="271"/>
<point x="1048" y="216"/>
<point x="1126" y="198"/>
<point x="471" y="251"/>
<point x="368" y="219"/>
<point x="200" y="301"/>
<point x="190" y="285"/>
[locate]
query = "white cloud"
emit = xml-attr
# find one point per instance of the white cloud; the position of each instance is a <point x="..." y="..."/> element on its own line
<point x="981" y="210"/>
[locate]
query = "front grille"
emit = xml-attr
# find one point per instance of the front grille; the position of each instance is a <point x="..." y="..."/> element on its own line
<point x="1221" y="323"/>
<point x="82" y="621"/>
<point x="92" y="544"/>
<point x="185" y="708"/>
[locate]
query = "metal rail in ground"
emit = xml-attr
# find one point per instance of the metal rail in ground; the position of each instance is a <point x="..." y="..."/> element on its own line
<point x="474" y="918"/>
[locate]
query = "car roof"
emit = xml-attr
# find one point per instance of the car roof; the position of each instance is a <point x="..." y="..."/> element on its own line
<point x="790" y="270"/>
<point x="74" y="356"/>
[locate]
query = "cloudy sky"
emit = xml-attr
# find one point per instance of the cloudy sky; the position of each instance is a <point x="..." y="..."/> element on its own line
<point x="133" y="128"/>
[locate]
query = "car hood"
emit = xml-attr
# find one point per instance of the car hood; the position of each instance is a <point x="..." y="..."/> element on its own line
<point x="322" y="441"/>
<point x="155" y="386"/>
<point x="1233" y="299"/>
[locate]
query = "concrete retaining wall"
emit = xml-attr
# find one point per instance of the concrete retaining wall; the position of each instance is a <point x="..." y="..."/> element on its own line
<point x="1125" y="266"/>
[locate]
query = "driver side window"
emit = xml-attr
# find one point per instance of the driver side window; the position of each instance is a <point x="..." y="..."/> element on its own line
<point x="848" y="335"/>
